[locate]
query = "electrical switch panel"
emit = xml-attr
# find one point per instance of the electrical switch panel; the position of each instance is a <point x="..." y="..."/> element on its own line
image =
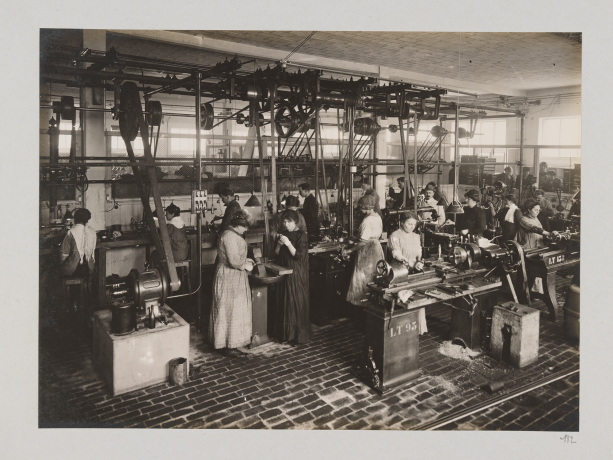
<point x="199" y="201"/>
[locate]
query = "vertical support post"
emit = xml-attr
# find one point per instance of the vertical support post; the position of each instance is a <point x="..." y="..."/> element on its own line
<point x="537" y="165"/>
<point x="199" y="187"/>
<point x="440" y="156"/>
<point x="340" y="200"/>
<point x="273" y="157"/>
<point x="405" y="157"/>
<point x="317" y="143"/>
<point x="263" y="183"/>
<point x="455" y="153"/>
<point x="374" y="156"/>
<point x="415" y="126"/>
<point x="521" y="155"/>
<point x="350" y="118"/>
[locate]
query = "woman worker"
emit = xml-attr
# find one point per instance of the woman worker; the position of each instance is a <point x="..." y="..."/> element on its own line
<point x="508" y="217"/>
<point x="176" y="231"/>
<point x="530" y="235"/>
<point x="473" y="221"/>
<point x="77" y="259"/>
<point x="78" y="246"/>
<point x="230" y="322"/>
<point x="276" y="227"/>
<point x="530" y="230"/>
<point x="367" y="253"/>
<point x="293" y="323"/>
<point x="406" y="248"/>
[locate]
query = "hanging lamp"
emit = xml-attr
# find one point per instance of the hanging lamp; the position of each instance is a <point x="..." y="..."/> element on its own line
<point x="253" y="201"/>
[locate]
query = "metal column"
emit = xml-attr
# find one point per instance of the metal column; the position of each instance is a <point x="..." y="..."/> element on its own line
<point x="415" y="124"/>
<point x="521" y="155"/>
<point x="198" y="187"/>
<point x="273" y="155"/>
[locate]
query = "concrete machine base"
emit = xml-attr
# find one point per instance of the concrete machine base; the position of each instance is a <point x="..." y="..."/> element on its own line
<point x="138" y="359"/>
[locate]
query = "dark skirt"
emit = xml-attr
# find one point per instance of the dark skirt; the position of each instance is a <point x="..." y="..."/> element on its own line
<point x="293" y="321"/>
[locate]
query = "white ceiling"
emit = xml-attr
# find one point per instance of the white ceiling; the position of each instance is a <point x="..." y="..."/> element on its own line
<point x="524" y="61"/>
<point x="513" y="64"/>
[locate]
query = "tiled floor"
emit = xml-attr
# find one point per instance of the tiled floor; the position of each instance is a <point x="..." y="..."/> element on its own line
<point x="315" y="386"/>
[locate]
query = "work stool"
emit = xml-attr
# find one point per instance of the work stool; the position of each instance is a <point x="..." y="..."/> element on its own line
<point x="184" y="271"/>
<point x="74" y="310"/>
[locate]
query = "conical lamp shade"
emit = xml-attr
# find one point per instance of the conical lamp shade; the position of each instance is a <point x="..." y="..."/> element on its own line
<point x="253" y="202"/>
<point x="443" y="202"/>
<point x="455" y="208"/>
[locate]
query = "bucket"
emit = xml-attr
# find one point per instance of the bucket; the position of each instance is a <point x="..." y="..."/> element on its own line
<point x="571" y="312"/>
<point x="123" y="318"/>
<point x="178" y="371"/>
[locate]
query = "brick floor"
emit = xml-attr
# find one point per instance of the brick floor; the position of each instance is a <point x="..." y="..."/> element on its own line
<point x="314" y="386"/>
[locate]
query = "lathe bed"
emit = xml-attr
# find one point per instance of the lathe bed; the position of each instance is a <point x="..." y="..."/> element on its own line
<point x="391" y="353"/>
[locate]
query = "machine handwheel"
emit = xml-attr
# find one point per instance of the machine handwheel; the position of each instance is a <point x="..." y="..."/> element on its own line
<point x="383" y="268"/>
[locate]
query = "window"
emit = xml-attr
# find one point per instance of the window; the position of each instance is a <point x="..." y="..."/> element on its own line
<point x="560" y="131"/>
<point x="64" y="141"/>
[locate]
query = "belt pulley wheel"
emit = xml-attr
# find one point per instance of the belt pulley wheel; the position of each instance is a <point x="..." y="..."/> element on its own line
<point x="366" y="127"/>
<point x="154" y="113"/>
<point x="474" y="251"/>
<point x="516" y="252"/>
<point x="128" y="118"/>
<point x="287" y="121"/>
<point x="68" y="111"/>
<point x="458" y="256"/>
<point x="207" y="116"/>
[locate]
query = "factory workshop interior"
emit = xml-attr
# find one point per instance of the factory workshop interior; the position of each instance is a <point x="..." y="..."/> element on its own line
<point x="309" y="230"/>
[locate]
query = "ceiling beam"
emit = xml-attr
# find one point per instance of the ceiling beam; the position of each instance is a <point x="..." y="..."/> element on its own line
<point x="269" y="54"/>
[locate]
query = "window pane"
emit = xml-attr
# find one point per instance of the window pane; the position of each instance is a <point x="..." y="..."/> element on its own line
<point x="485" y="133"/>
<point x="570" y="131"/>
<point x="551" y="132"/>
<point x="500" y="132"/>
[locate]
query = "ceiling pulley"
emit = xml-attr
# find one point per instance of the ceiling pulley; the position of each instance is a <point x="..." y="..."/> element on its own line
<point x="207" y="116"/>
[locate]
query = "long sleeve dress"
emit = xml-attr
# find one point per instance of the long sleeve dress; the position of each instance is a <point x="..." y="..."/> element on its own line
<point x="178" y="238"/>
<point x="472" y="220"/>
<point x="293" y="318"/>
<point x="368" y="253"/>
<point x="230" y="323"/>
<point x="408" y="246"/>
<point x="530" y="232"/>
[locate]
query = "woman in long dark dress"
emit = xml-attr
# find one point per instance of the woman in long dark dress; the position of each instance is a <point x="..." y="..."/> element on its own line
<point x="293" y="322"/>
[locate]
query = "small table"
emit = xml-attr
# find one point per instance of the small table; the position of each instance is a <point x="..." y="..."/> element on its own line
<point x="140" y="359"/>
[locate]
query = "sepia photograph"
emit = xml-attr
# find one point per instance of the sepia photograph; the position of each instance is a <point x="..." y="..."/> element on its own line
<point x="310" y="230"/>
